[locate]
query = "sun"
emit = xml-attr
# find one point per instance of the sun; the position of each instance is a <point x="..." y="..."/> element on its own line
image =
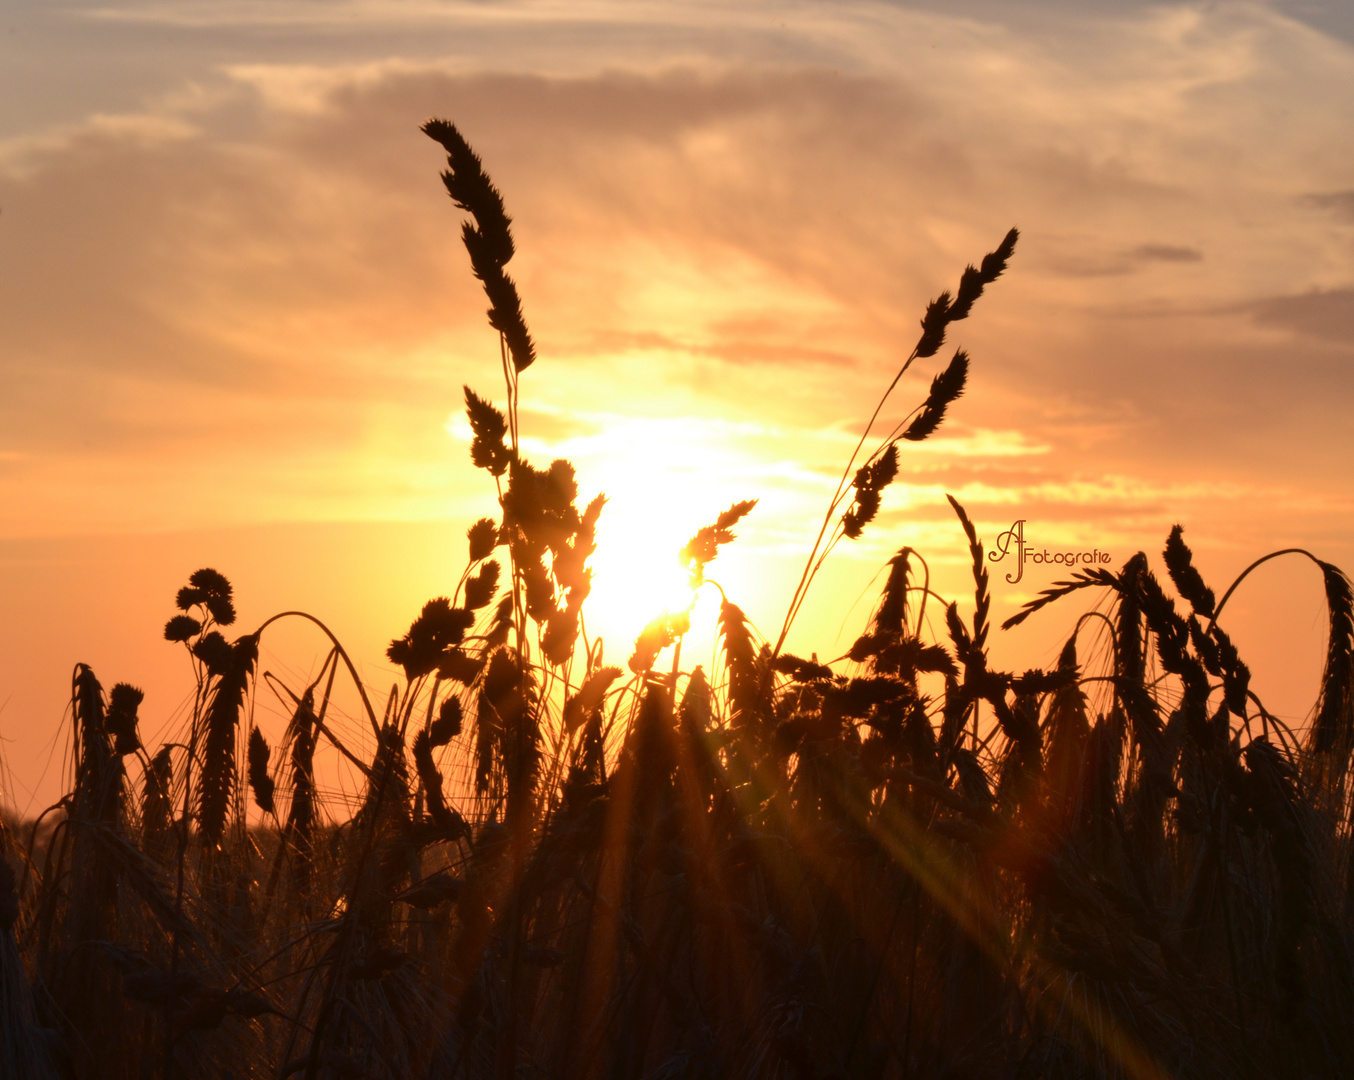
<point x="661" y="479"/>
<point x="664" y="478"/>
<point x="636" y="575"/>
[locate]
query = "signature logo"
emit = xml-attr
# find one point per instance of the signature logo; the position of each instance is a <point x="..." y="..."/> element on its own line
<point x="1013" y="541"/>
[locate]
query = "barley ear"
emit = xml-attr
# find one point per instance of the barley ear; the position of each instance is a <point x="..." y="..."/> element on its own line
<point x="1333" y="727"/>
<point x="1188" y="582"/>
<point x="259" y="781"/>
<point x="217" y="780"/>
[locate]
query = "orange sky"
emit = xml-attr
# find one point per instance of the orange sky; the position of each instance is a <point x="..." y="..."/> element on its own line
<point x="235" y="315"/>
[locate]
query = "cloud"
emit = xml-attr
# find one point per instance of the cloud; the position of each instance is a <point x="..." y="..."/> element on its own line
<point x="1325" y="315"/>
<point x="1339" y="202"/>
<point x="1166" y="253"/>
<point x="232" y="290"/>
<point x="728" y="235"/>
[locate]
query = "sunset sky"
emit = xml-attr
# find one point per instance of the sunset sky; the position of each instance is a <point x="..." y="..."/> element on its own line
<point x="235" y="314"/>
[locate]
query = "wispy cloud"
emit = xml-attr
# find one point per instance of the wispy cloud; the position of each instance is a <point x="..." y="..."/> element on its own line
<point x="740" y="221"/>
<point x="232" y="290"/>
<point x="1327" y="315"/>
<point x="1339" y="202"/>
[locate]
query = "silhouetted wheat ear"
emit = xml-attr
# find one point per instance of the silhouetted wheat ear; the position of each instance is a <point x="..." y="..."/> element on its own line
<point x="123" y="702"/>
<point x="448" y="723"/>
<point x="446" y="819"/>
<point x="489" y="428"/>
<point x="945" y="389"/>
<point x="87" y="705"/>
<point x="1179" y="561"/>
<point x="259" y="781"/>
<point x="1334" y="724"/>
<point x="216" y="781"/>
<point x="871" y="479"/>
<point x="1065" y="736"/>
<point x="740" y="656"/>
<point x="657" y="635"/>
<point x="1174" y="638"/>
<point x="580" y="706"/>
<point x="702" y="548"/>
<point x="99" y="776"/>
<point x="156" y="808"/>
<point x="891" y="615"/>
<point x="943" y="310"/>
<point x="488" y="240"/>
<point x="982" y="598"/>
<point x="438" y="628"/>
<point x="696" y="709"/>
<point x="480" y="589"/>
<point x="482" y="536"/>
<point x="301" y="813"/>
<point x="1081" y="579"/>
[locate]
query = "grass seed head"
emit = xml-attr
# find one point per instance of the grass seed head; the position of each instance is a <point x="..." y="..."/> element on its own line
<point x="259" y="780"/>
<point x="945" y="389"/>
<point x="483" y="538"/>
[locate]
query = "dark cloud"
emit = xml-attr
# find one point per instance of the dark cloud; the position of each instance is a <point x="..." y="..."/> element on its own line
<point x="1166" y="253"/>
<point x="1333" y="17"/>
<point x="1326" y="315"/>
<point x="1090" y="264"/>
<point x="1338" y="202"/>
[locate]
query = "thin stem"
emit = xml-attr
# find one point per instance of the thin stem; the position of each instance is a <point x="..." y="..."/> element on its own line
<point x="352" y="670"/>
<point x="810" y="567"/>
<point x="1246" y="573"/>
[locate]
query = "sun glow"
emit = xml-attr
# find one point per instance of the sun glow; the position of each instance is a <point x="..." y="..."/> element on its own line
<point x="664" y="479"/>
<point x="638" y="578"/>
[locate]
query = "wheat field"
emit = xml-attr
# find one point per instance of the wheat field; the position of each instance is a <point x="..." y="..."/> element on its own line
<point x="902" y="863"/>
